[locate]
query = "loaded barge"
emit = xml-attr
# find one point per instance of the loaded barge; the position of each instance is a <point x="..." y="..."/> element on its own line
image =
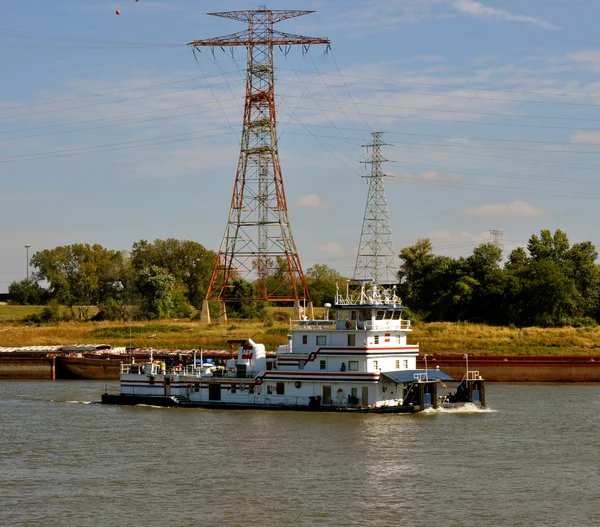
<point x="358" y="361"/>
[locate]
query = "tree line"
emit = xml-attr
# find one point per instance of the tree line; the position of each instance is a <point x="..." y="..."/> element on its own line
<point x="548" y="283"/>
<point x="161" y="279"/>
<point x="551" y="283"/>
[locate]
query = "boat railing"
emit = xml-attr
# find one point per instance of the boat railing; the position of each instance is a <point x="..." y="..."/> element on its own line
<point x="384" y="324"/>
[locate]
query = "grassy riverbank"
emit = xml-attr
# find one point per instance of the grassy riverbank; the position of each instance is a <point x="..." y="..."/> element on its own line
<point x="177" y="334"/>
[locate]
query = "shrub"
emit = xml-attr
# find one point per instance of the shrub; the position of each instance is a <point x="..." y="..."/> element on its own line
<point x="110" y="310"/>
<point x="51" y="313"/>
<point x="584" y="322"/>
<point x="279" y="316"/>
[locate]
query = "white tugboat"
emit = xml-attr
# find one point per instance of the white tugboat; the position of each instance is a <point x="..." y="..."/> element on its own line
<point x="359" y="361"/>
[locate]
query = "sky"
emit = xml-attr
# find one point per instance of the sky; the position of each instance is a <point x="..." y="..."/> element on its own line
<point x="112" y="131"/>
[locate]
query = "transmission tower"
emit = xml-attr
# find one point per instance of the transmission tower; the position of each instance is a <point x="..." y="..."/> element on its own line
<point x="375" y="253"/>
<point x="258" y="242"/>
<point x="496" y="237"/>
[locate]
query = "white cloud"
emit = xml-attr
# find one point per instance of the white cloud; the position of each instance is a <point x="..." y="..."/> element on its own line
<point x="428" y="176"/>
<point x="592" y="138"/>
<point x="311" y="201"/>
<point x="477" y="9"/>
<point x="330" y="248"/>
<point x="515" y="209"/>
<point x="387" y="16"/>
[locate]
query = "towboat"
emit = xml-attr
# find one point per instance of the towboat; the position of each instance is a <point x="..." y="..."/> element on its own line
<point x="356" y="361"/>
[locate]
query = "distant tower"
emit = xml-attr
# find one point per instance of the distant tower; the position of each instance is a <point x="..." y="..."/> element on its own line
<point x="496" y="237"/>
<point x="258" y="243"/>
<point x="375" y="257"/>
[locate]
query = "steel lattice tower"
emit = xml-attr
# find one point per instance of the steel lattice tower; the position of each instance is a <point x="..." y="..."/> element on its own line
<point x="496" y="237"/>
<point x="258" y="239"/>
<point x="375" y="253"/>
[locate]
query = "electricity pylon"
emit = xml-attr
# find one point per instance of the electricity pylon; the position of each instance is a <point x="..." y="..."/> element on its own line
<point x="496" y="237"/>
<point x="375" y="257"/>
<point x="258" y="243"/>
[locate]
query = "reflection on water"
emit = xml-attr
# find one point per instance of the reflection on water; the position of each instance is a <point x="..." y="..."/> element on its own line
<point x="528" y="460"/>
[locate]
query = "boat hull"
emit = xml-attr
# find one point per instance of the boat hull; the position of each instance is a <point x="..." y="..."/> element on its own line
<point x="174" y="402"/>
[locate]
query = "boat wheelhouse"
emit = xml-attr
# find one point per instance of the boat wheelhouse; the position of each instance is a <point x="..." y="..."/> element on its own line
<point x="358" y="360"/>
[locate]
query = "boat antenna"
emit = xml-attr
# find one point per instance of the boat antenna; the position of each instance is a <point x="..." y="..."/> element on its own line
<point x="466" y="357"/>
<point x="425" y="357"/>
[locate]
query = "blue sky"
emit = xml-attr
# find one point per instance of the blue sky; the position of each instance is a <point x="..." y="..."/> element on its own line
<point x="111" y="132"/>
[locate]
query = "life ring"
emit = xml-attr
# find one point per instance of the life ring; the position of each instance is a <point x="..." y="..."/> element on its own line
<point x="297" y="384"/>
<point x="348" y="324"/>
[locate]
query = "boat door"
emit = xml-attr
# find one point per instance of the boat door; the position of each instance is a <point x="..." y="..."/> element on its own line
<point x="214" y="392"/>
<point x="326" y="394"/>
<point x="365" y="396"/>
<point x="167" y="385"/>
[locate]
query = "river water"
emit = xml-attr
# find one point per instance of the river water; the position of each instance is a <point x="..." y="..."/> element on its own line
<point x="531" y="459"/>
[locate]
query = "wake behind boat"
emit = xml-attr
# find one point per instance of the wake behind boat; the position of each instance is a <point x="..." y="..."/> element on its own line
<point x="358" y="362"/>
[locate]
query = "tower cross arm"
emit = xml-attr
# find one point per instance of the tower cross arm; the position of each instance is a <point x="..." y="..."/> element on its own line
<point x="244" y="38"/>
<point x="275" y="15"/>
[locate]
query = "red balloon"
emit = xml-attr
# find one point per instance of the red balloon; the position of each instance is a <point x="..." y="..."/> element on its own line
<point x="118" y="12"/>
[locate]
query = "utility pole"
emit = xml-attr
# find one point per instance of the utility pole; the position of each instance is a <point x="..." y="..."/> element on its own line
<point x="27" y="246"/>
<point x="375" y="258"/>
<point x="258" y="241"/>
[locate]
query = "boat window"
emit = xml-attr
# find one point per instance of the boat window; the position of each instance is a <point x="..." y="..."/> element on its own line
<point x="405" y="364"/>
<point x="269" y="390"/>
<point x="397" y="315"/>
<point x="376" y="339"/>
<point x="251" y="388"/>
<point x="280" y="388"/>
<point x="321" y="340"/>
<point x="233" y="388"/>
<point x="397" y="364"/>
<point x="353" y="315"/>
<point x="352" y="365"/>
<point x="389" y="315"/>
<point x="351" y="339"/>
<point x="323" y="365"/>
<point x="304" y="339"/>
<point x="380" y="315"/>
<point x="375" y="365"/>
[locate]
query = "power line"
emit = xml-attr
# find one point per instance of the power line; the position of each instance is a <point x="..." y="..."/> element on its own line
<point x="113" y="146"/>
<point x="126" y="123"/>
<point x="104" y="94"/>
<point x="524" y="92"/>
<point x="31" y="35"/>
<point x="104" y="102"/>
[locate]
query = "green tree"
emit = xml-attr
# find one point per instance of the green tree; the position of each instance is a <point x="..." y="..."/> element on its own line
<point x="321" y="281"/>
<point x="240" y="303"/>
<point x="189" y="262"/>
<point x="426" y="280"/>
<point x="80" y="274"/>
<point x="156" y="286"/>
<point x="26" y="292"/>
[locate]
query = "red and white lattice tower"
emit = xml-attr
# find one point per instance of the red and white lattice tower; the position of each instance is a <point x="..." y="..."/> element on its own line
<point x="258" y="244"/>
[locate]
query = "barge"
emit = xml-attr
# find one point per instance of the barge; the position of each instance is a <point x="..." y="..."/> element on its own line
<point x="357" y="361"/>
